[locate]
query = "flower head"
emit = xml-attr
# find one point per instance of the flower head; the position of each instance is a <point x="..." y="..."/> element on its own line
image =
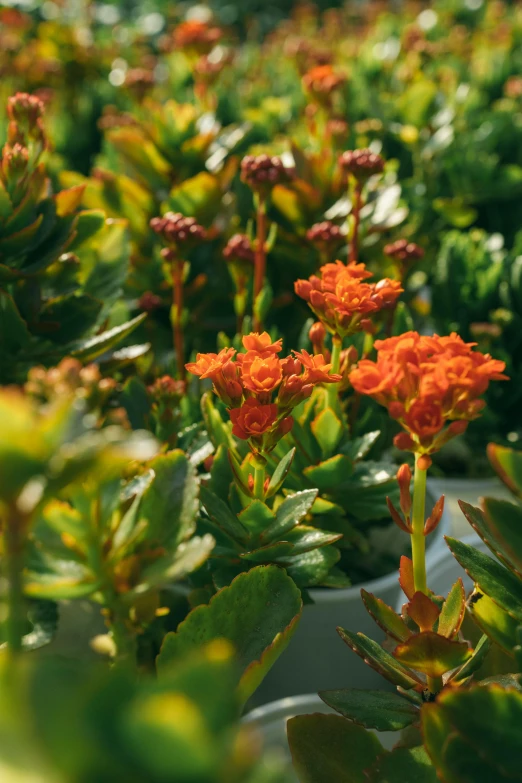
<point x="341" y="298"/>
<point x="426" y="383"/>
<point x="252" y="420"/>
<point x="176" y="229"/>
<point x="362" y="164"/>
<point x="262" y="172"/>
<point x="322" y="80"/>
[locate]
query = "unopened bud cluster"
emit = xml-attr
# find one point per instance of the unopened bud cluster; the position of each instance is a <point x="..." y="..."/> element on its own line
<point x="264" y="171"/>
<point x="176" y="229"/>
<point x="362" y="164"/>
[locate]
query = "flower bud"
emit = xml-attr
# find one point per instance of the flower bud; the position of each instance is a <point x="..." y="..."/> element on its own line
<point x="317" y="335"/>
<point x="362" y="164"/>
<point x="404" y="481"/>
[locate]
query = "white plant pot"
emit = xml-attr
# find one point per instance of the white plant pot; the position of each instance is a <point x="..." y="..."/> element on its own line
<point x="270" y="722"/>
<point x="469" y="490"/>
<point x="316" y="658"/>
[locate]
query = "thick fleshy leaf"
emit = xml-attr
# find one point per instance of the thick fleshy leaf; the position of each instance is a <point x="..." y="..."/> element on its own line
<point x="492" y="578"/>
<point x="380" y="660"/>
<point x="328" y="430"/>
<point x="508" y="465"/>
<point x="403" y="765"/>
<point x="378" y="710"/>
<point x="304" y="538"/>
<point x="423" y="611"/>
<point x="432" y="654"/>
<point x="359" y="447"/>
<point x="494" y="621"/>
<point x="14" y="334"/>
<point x="68" y="201"/>
<point x="487" y="719"/>
<point x="327" y="748"/>
<point x="330" y="473"/>
<point x="453" y="610"/>
<point x="187" y="557"/>
<point x="406" y="579"/>
<point x="257" y="613"/>
<point x="499" y="526"/>
<point x="256" y="518"/>
<point x="313" y="568"/>
<point x="385" y="617"/>
<point x="289" y="513"/>
<point x="86" y="225"/>
<point x="280" y="473"/>
<point x="171" y="501"/>
<point x="475" y="662"/>
<point x="89" y="349"/>
<point x="221" y="514"/>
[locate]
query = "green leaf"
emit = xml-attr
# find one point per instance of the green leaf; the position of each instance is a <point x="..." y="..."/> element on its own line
<point x="378" y="710"/>
<point x="87" y="223"/>
<point x="135" y="400"/>
<point x="495" y="622"/>
<point x="390" y="622"/>
<point x="14" y="334"/>
<point x="280" y="473"/>
<point x="328" y="431"/>
<point x="456" y="212"/>
<point x="488" y="719"/>
<point x="69" y="317"/>
<point x="380" y="660"/>
<point x="256" y="518"/>
<point x="304" y="538"/>
<point x="474" y="663"/>
<point x="69" y="580"/>
<point x="313" y="568"/>
<point x="496" y="526"/>
<point x="43" y="616"/>
<point x="89" y="349"/>
<point x="218" y="431"/>
<point x="358" y="448"/>
<point x="221" y="514"/>
<point x="403" y="765"/>
<point x="289" y="513"/>
<point x="174" y="567"/>
<point x="432" y="654"/>
<point x="330" y="473"/>
<point x="198" y="196"/>
<point x="328" y="748"/>
<point x="492" y="578"/>
<point x="452" y="613"/>
<point x="257" y="613"/>
<point x="170" y="503"/>
<point x="508" y="464"/>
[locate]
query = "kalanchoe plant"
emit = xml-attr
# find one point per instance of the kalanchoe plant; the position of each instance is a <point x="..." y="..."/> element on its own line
<point x="59" y="273"/>
<point x="261" y="390"/>
<point x="428" y="384"/>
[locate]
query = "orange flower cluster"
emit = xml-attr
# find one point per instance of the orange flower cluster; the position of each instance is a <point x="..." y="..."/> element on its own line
<point x="341" y="298"/>
<point x="260" y="388"/>
<point x="426" y="383"/>
<point x="197" y="36"/>
<point x="322" y="80"/>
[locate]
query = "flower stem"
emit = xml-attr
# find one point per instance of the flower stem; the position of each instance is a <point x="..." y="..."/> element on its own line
<point x="418" y="541"/>
<point x="333" y="388"/>
<point x="356" y="212"/>
<point x="177" y="316"/>
<point x="259" y="481"/>
<point x="13" y="558"/>
<point x="260" y="257"/>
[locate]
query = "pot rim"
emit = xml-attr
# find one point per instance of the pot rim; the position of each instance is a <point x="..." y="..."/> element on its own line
<point x="328" y="595"/>
<point x="281" y="708"/>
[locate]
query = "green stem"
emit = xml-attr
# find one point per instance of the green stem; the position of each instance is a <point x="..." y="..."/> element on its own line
<point x="356" y="212"/>
<point x="333" y="388"/>
<point x="260" y="257"/>
<point x="418" y="541"/>
<point x="14" y="560"/>
<point x="259" y="481"/>
<point x="124" y="641"/>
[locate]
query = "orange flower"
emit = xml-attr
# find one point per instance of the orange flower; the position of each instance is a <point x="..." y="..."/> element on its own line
<point x="323" y="79"/>
<point x="316" y="369"/>
<point x="253" y="420"/>
<point x="261" y="373"/>
<point x="261" y="343"/>
<point x="207" y="365"/>
<point x="424" y="418"/>
<point x="426" y="383"/>
<point x="341" y="299"/>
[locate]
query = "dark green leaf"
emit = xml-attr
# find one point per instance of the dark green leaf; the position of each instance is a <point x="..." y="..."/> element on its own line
<point x="452" y="613"/>
<point x="280" y="473"/>
<point x="289" y="513"/>
<point x="403" y="765"/>
<point x="328" y="748"/>
<point x="378" y="710"/>
<point x="380" y="660"/>
<point x="89" y="349"/>
<point x="385" y="617"/>
<point x="221" y="514"/>
<point x="257" y="613"/>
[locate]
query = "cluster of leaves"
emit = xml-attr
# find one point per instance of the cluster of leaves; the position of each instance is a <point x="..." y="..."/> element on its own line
<point x="470" y="731"/>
